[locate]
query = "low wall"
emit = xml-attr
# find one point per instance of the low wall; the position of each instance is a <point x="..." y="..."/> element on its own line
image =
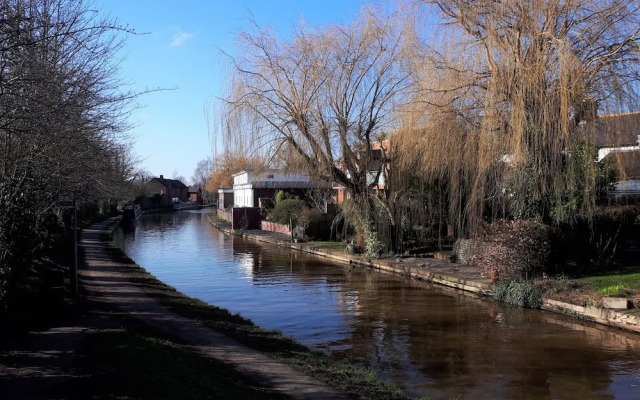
<point x="275" y="227"/>
<point x="629" y="319"/>
<point x="225" y="215"/>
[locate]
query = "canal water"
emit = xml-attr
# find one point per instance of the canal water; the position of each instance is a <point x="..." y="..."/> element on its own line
<point x="429" y="340"/>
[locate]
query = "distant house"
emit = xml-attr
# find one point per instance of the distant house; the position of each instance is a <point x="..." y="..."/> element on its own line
<point x="195" y="194"/>
<point x="249" y="186"/>
<point x="618" y="142"/>
<point x="169" y="189"/>
<point x="377" y="162"/>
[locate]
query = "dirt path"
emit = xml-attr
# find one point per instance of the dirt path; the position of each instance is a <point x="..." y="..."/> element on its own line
<point x="118" y="301"/>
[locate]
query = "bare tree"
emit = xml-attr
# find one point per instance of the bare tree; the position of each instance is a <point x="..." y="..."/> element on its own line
<point x="225" y="166"/>
<point x="62" y="119"/>
<point x="202" y="172"/>
<point x="330" y="96"/>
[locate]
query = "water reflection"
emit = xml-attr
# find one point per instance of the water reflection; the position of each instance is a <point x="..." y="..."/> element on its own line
<point x="430" y="340"/>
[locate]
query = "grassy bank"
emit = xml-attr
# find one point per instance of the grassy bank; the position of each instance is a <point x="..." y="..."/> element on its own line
<point x="627" y="278"/>
<point x="130" y="366"/>
<point x="356" y="381"/>
<point x="330" y="245"/>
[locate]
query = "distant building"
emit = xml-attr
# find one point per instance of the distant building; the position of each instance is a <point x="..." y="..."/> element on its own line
<point x="195" y="194"/>
<point x="249" y="186"/>
<point x="375" y="165"/>
<point x="169" y="189"/>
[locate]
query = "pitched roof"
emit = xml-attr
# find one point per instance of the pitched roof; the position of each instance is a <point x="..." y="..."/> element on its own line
<point x="170" y="183"/>
<point x="289" y="184"/>
<point x="194" y="189"/>
<point x="618" y="130"/>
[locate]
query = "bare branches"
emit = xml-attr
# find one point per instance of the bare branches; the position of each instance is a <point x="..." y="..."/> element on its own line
<point x="62" y="116"/>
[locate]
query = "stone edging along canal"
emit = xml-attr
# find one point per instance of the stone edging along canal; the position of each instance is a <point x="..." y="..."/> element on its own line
<point x="444" y="273"/>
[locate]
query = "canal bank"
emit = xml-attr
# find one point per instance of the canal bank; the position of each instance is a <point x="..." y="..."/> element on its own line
<point x="265" y="359"/>
<point x="442" y="272"/>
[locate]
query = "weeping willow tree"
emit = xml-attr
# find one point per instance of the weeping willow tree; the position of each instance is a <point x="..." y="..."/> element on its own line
<point x="324" y="101"/>
<point x="498" y="125"/>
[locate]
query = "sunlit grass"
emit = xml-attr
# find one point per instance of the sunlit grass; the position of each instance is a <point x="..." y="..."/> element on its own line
<point x="628" y="278"/>
<point x="331" y="245"/>
<point x="614" y="290"/>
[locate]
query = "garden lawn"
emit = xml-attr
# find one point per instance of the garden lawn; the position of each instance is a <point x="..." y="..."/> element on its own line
<point x="627" y="278"/>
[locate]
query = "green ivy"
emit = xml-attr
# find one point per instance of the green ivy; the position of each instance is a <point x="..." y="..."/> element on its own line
<point x="518" y="292"/>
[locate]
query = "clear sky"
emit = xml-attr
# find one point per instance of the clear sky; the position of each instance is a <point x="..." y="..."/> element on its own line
<point x="182" y="51"/>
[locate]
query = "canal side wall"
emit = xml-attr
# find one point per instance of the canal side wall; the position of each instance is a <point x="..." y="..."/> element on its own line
<point x="415" y="271"/>
<point x="427" y="271"/>
<point x="627" y="319"/>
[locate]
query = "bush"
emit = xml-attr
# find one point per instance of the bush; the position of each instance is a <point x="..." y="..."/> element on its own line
<point x="282" y="195"/>
<point x="518" y="292"/>
<point x="514" y="249"/>
<point x="286" y="210"/>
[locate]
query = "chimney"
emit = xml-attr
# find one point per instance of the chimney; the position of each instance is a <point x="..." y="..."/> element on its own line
<point x="161" y="176"/>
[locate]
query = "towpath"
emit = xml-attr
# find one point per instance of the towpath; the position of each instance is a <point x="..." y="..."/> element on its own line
<point x="53" y="363"/>
<point x="105" y="284"/>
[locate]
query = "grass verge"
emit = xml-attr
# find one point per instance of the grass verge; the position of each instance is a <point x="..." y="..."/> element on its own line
<point x="356" y="381"/>
<point x="331" y="245"/>
<point x="129" y="366"/>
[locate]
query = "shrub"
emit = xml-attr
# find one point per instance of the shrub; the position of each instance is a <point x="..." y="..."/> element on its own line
<point x="518" y="292"/>
<point x="305" y="217"/>
<point x="282" y="195"/>
<point x="286" y="210"/>
<point x="514" y="249"/>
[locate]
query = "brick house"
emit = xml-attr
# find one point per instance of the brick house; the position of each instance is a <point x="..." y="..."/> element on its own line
<point x="195" y="194"/>
<point x="169" y="188"/>
<point x="377" y="163"/>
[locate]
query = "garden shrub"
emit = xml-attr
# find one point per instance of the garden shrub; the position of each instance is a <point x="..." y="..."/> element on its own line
<point x="514" y="249"/>
<point x="286" y="210"/>
<point x="282" y="195"/>
<point x="518" y="292"/>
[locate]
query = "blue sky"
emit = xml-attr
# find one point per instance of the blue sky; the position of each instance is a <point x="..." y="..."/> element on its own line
<point x="182" y="51"/>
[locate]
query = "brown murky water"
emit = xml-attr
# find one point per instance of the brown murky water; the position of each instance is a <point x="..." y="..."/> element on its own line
<point x="429" y="340"/>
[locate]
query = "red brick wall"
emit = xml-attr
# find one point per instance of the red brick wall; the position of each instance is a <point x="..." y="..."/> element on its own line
<point x="275" y="227"/>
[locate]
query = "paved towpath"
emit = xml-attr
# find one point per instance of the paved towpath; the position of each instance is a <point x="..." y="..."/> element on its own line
<point x="105" y="284"/>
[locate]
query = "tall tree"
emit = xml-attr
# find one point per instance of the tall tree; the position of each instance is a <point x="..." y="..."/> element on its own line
<point x="511" y="88"/>
<point x="61" y="119"/>
<point x="329" y="95"/>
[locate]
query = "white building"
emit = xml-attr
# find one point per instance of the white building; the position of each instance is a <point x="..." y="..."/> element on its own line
<point x="250" y="186"/>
